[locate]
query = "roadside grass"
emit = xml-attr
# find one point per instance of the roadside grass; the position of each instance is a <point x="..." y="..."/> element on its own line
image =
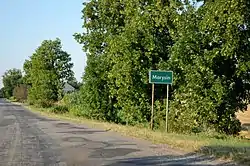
<point x="221" y="146"/>
<point x="12" y="99"/>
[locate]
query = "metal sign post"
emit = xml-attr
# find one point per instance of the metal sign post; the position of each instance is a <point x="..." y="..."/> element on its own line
<point x="160" y="77"/>
<point x="167" y="109"/>
<point x="152" y="109"/>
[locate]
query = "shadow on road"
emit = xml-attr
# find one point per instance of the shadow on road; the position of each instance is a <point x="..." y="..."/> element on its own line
<point x="239" y="155"/>
<point x="82" y="132"/>
<point x="183" y="160"/>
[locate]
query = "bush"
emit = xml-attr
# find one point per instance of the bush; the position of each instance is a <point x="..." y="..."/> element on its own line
<point x="78" y="111"/>
<point x="74" y="103"/>
<point x="12" y="98"/>
<point x="44" y="103"/>
<point x="72" y="99"/>
<point x="59" y="109"/>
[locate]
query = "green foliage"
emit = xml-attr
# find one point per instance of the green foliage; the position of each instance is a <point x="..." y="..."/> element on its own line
<point x="12" y="99"/>
<point x="206" y="47"/>
<point x="11" y="79"/>
<point x="76" y="103"/>
<point x="27" y="69"/>
<point x="72" y="99"/>
<point x="20" y="92"/>
<point x="123" y="44"/>
<point x="210" y="85"/>
<point x="2" y="93"/>
<point x="59" y="109"/>
<point x="47" y="71"/>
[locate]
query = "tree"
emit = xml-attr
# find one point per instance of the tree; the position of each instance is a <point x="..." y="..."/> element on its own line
<point x="98" y="20"/>
<point x="207" y="47"/>
<point x="46" y="71"/>
<point x="211" y="57"/>
<point x="27" y="68"/>
<point x="123" y="41"/>
<point x="1" y="92"/>
<point x="11" y="79"/>
<point x="225" y="28"/>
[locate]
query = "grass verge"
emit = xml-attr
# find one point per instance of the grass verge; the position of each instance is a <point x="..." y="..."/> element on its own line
<point x="226" y="147"/>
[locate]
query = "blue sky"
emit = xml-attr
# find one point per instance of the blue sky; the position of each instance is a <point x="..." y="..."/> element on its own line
<point x="26" y="23"/>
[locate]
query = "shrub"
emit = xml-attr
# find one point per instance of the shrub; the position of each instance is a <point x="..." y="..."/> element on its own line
<point x="78" y="111"/>
<point x="12" y="98"/>
<point x="72" y="99"/>
<point x="59" y="109"/>
<point x="43" y="103"/>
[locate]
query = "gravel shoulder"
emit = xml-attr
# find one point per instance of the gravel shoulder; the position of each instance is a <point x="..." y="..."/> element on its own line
<point x="30" y="139"/>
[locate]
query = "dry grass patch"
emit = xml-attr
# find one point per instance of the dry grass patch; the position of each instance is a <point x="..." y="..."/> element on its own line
<point x="244" y="118"/>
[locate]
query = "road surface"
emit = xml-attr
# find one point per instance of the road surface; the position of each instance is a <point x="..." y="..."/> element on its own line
<point x="27" y="139"/>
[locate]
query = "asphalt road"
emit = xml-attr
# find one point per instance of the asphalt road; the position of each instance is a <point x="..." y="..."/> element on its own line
<point x="27" y="139"/>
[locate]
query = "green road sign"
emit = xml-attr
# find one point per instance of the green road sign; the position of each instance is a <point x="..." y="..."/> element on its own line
<point x="160" y="77"/>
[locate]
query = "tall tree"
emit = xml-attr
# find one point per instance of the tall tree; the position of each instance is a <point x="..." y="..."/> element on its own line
<point x="11" y="79"/>
<point x="207" y="47"/>
<point x="143" y="43"/>
<point x="27" y="67"/>
<point x="123" y="40"/>
<point x="211" y="60"/>
<point x="101" y="24"/>
<point x="225" y="26"/>
<point x="47" y="71"/>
